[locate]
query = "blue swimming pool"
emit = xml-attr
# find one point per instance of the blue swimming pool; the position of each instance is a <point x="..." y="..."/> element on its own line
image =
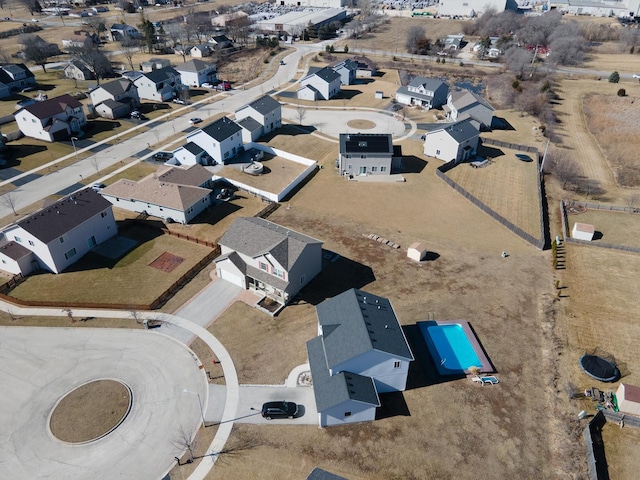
<point x="450" y="347"/>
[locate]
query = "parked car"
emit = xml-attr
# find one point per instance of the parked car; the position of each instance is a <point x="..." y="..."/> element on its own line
<point x="136" y="115"/>
<point x="279" y="410"/>
<point x="206" y="85"/>
<point x="179" y="101"/>
<point x="162" y="156"/>
<point x="223" y="86"/>
<point x="195" y="120"/>
<point x="96" y="187"/>
<point x="636" y="75"/>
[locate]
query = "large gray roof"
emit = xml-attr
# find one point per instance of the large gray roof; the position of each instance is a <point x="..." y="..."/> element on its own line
<point x="326" y="73"/>
<point x="118" y="86"/>
<point x="356" y="322"/>
<point x="332" y="390"/>
<point x="64" y="215"/>
<point x="194" y="65"/>
<point x="161" y="74"/>
<point x="221" y="129"/>
<point x="429" y="83"/>
<point x="463" y="130"/>
<point x="248" y="123"/>
<point x="263" y="105"/>
<point x="366" y="143"/>
<point x="14" y="250"/>
<point x="254" y="236"/>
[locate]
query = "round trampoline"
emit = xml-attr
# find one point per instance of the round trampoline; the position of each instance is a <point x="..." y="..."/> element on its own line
<point x="599" y="368"/>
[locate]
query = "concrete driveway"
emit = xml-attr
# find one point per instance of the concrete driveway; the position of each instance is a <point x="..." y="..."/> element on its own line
<point x="253" y="396"/>
<point x="38" y="366"/>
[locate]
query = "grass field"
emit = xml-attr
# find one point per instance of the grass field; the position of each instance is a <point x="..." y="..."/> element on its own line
<point x="507" y="186"/>
<point x="97" y="279"/>
<point x="617" y="228"/>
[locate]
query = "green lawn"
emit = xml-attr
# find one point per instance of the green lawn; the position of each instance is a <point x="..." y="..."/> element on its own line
<point x="129" y="280"/>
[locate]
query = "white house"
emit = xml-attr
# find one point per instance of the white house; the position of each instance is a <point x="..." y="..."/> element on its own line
<point x="196" y="72"/>
<point x="52" y="120"/>
<point x="160" y="85"/>
<point x="266" y="111"/>
<point x="200" y="51"/>
<point x="222" y="139"/>
<point x="583" y="231"/>
<point x="628" y="397"/>
<point x="360" y="351"/>
<point x="174" y="194"/>
<point x="347" y="69"/>
<point x="463" y="104"/>
<point x="456" y="142"/>
<point x="261" y="255"/>
<point x="324" y="85"/>
<point x="155" y="64"/>
<point x="61" y="233"/>
<point x="15" y="77"/>
<point x="16" y="259"/>
<point x="368" y="154"/>
<point x="425" y="92"/>
<point x="121" y="31"/>
<point x="192" y="154"/>
<point x="115" y="99"/>
<point x="79" y="70"/>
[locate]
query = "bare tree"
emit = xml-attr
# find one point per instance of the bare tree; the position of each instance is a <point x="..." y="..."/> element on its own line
<point x="32" y="5"/>
<point x="34" y="51"/>
<point x="9" y="200"/>
<point x="95" y="161"/>
<point x="415" y="36"/>
<point x="69" y="314"/>
<point x="301" y="112"/>
<point x="564" y="168"/>
<point x="96" y="25"/>
<point x="518" y="60"/>
<point x="96" y="61"/>
<point x="129" y="47"/>
<point x="633" y="199"/>
<point x="184" y="440"/>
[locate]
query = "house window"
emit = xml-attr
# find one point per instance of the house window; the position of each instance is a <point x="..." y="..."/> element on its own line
<point x="18" y="239"/>
<point x="374" y="169"/>
<point x="350" y="166"/>
<point x="437" y="152"/>
<point x="303" y="278"/>
<point x="63" y="239"/>
<point x="4" y="261"/>
<point x="91" y="242"/>
<point x="383" y="169"/>
<point x="347" y="414"/>
<point x="263" y="266"/>
<point x="397" y="364"/>
<point x="103" y="214"/>
<point x="70" y="254"/>
<point x="278" y="273"/>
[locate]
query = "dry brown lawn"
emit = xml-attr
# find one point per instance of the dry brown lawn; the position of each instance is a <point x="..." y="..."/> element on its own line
<point x="617" y="228"/>
<point x="508" y="186"/>
<point x="621" y="450"/>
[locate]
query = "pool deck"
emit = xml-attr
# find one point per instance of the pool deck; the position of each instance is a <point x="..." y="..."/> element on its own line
<point x="486" y="366"/>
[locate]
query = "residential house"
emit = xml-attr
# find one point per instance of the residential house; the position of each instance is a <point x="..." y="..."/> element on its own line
<point x="115" y="99"/>
<point x="366" y="67"/>
<point x="259" y="118"/>
<point x="160" y="85"/>
<point x="61" y="233"/>
<point x="50" y="49"/>
<point x="192" y="154"/>
<point x="200" y="51"/>
<point x="463" y="104"/>
<point x="222" y="139"/>
<point x="221" y="41"/>
<point x="175" y="194"/>
<point x="16" y="259"/>
<point x="456" y="142"/>
<point x="15" y="77"/>
<point x="321" y="84"/>
<point x="260" y="255"/>
<point x="368" y="154"/>
<point x="155" y="64"/>
<point x="78" y="70"/>
<point x="80" y="39"/>
<point x="347" y="70"/>
<point x="120" y="31"/>
<point x="52" y="120"/>
<point x="425" y="92"/>
<point x="196" y="72"/>
<point x="452" y="43"/>
<point x="360" y="352"/>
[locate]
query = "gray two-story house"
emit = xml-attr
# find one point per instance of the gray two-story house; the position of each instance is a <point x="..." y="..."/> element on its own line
<point x="425" y="92"/>
<point x="368" y="154"/>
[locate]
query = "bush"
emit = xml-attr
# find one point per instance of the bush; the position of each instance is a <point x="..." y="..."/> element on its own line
<point x="622" y="92"/>
<point x="346" y="49"/>
<point x="461" y="63"/>
<point x="614" y="77"/>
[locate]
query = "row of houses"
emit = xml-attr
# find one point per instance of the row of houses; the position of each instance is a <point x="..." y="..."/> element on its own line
<point x="324" y="83"/>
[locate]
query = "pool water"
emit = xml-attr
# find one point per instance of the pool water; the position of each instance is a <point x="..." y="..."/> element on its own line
<point x="450" y="347"/>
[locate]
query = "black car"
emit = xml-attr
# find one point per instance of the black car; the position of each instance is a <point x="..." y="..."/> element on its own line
<point x="162" y="156"/>
<point x="279" y="410"/>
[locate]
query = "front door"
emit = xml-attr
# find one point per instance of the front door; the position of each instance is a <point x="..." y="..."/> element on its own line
<point x="362" y="170"/>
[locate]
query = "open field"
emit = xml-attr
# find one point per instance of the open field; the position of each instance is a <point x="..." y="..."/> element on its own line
<point x="278" y="173"/>
<point x="617" y="228"/>
<point x="115" y="281"/>
<point x="508" y="186"/>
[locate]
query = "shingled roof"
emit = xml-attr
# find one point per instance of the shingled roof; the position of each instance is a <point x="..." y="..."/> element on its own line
<point x="262" y="105"/>
<point x="222" y="129"/>
<point x="51" y="107"/>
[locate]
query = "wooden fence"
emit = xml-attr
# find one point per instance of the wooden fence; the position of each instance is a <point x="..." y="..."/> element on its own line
<point x="268" y="210"/>
<point x="12" y="283"/>
<point x="512" y="146"/>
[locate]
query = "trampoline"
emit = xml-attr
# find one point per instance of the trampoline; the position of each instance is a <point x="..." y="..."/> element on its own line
<point x="599" y="368"/>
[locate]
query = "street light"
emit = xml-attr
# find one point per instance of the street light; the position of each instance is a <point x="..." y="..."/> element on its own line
<point x="73" y="142"/>
<point x="199" y="403"/>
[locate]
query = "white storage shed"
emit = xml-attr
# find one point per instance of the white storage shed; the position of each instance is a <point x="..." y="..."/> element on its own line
<point x="583" y="231"/>
<point x="628" y="397"/>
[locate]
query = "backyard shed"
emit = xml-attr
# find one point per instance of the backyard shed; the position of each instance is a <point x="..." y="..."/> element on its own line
<point x="417" y="252"/>
<point x="379" y="95"/>
<point x="583" y="231"/>
<point x="628" y="397"/>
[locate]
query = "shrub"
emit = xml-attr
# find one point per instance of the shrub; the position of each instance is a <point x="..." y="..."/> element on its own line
<point x="614" y="77"/>
<point x="515" y="84"/>
<point x="461" y="63"/>
<point x="346" y="49"/>
<point x="622" y="92"/>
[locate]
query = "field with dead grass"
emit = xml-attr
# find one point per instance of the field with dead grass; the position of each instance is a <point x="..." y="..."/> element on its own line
<point x="617" y="228"/>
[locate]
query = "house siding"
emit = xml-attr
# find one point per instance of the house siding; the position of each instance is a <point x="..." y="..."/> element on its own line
<point x="379" y="366"/>
<point x="360" y="412"/>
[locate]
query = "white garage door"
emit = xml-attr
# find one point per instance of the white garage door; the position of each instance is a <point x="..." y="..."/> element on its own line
<point x="231" y="277"/>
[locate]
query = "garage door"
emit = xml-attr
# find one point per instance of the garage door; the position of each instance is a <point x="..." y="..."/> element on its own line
<point x="231" y="277"/>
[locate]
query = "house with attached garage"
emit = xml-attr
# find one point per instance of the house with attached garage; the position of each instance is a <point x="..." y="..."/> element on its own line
<point x="222" y="139"/>
<point x="192" y="154"/>
<point x="160" y="85"/>
<point x="266" y="111"/>
<point x="347" y="70"/>
<point x="456" y="142"/>
<point x="52" y="120"/>
<point x="368" y="154"/>
<point x="15" y="77"/>
<point x="196" y="72"/>
<point x="115" y="99"/>
<point x="425" y="92"/>
<point x="122" y="31"/>
<point x="260" y="255"/>
<point x="463" y="104"/>
<point x="360" y="352"/>
<point x="59" y="234"/>
<point x="79" y="70"/>
<point x="322" y="84"/>
<point x="174" y="194"/>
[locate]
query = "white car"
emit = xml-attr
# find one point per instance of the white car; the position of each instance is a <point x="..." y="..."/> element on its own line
<point x="636" y="75"/>
<point x="206" y="85"/>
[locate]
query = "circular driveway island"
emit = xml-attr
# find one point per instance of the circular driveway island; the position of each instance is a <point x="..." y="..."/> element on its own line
<point x="39" y="366"/>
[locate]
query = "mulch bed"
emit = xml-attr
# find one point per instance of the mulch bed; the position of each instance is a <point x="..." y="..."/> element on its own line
<point x="167" y="262"/>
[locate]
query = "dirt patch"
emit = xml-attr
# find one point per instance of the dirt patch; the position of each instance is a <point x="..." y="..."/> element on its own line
<point x="90" y="411"/>
<point x="167" y="262"/>
<point x="361" y="124"/>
